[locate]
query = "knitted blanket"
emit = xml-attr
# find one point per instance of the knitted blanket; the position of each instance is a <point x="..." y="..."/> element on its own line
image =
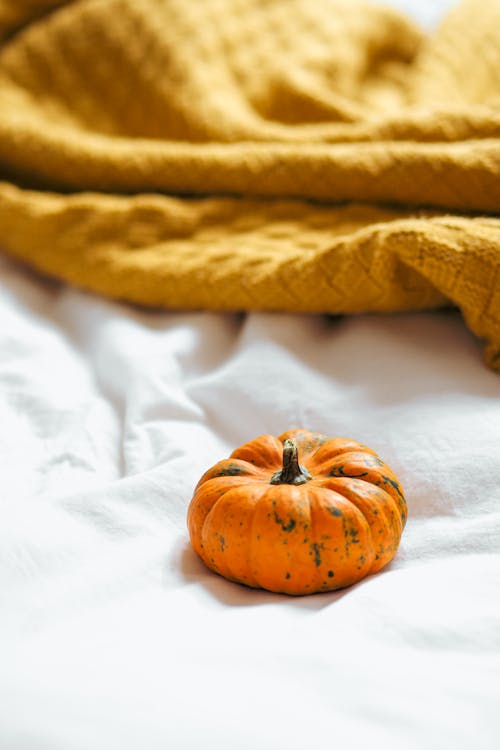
<point x="289" y="155"/>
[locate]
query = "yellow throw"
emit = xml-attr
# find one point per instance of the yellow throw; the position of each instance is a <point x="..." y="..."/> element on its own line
<point x="292" y="155"/>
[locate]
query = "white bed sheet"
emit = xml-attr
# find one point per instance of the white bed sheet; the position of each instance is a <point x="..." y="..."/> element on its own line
<point x="114" y="635"/>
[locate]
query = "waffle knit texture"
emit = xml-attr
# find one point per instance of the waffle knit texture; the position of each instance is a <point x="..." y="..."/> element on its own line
<point x="290" y="155"/>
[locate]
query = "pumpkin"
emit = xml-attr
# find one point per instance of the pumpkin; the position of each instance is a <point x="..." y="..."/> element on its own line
<point x="297" y="514"/>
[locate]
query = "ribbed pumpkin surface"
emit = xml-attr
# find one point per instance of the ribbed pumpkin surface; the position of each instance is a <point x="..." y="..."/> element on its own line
<point x="298" y="514"/>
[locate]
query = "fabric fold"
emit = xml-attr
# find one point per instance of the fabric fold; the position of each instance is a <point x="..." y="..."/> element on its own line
<point x="245" y="155"/>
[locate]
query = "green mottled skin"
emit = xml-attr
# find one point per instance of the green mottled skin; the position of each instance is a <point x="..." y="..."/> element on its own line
<point x="318" y="534"/>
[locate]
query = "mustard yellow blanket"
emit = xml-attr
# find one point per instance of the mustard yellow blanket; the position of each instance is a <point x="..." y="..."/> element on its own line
<point x="292" y="155"/>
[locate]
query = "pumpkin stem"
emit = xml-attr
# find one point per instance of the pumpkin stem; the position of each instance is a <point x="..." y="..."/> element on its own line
<point x="292" y="472"/>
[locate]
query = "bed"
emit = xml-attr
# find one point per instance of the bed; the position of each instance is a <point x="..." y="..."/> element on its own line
<point x="115" y="635"/>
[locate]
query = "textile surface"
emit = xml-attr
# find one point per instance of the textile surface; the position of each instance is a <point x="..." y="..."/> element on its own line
<point x="114" y="636"/>
<point x="247" y="155"/>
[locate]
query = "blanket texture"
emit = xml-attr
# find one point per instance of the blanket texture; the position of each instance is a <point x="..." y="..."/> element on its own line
<point x="247" y="154"/>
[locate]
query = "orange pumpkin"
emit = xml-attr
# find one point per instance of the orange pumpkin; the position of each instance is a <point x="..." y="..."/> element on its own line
<point x="297" y="514"/>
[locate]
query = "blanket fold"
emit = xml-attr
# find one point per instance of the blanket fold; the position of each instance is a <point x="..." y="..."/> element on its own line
<point x="247" y="154"/>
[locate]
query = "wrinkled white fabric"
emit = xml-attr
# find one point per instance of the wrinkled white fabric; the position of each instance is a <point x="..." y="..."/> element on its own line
<point x="113" y="635"/>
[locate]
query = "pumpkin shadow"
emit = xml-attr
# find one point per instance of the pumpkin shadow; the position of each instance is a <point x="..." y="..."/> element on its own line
<point x="234" y="594"/>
